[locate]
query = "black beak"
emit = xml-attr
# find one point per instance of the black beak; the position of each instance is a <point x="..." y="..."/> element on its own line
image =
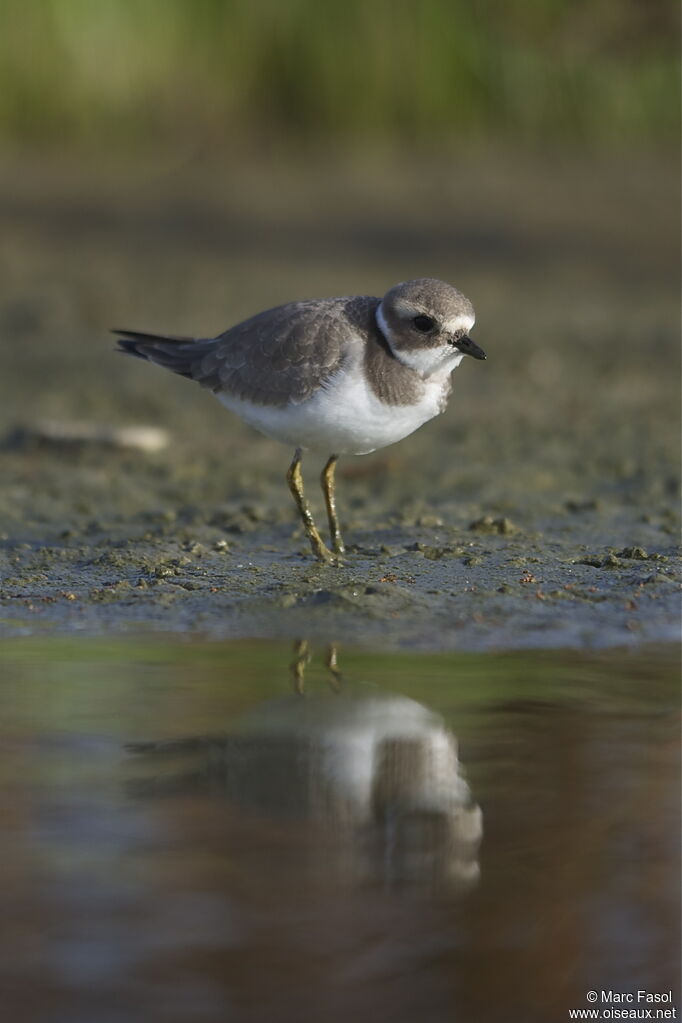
<point x="469" y="347"/>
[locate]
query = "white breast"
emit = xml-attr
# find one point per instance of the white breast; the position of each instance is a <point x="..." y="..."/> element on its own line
<point x="344" y="416"/>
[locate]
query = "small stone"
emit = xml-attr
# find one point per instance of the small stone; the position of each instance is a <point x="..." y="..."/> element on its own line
<point x="68" y="433"/>
<point x="429" y="521"/>
<point x="575" y="507"/>
<point x="194" y="547"/>
<point x="433" y="553"/>
<point x="637" y="553"/>
<point x="608" y="561"/>
<point x="611" y="561"/>
<point x="162" y="571"/>
<point x="487" y="524"/>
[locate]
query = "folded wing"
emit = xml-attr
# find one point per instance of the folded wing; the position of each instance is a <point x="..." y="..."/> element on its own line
<point x="277" y="357"/>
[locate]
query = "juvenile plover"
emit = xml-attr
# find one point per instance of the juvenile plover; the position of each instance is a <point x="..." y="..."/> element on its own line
<point x="336" y="375"/>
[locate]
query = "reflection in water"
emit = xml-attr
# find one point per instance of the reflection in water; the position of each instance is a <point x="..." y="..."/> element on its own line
<point x="378" y="771"/>
<point x="306" y="864"/>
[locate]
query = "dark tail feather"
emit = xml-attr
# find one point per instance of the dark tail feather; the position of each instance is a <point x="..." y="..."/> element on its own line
<point x="178" y="354"/>
<point x="130" y="340"/>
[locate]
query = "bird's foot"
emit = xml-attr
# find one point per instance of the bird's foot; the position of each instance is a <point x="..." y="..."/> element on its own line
<point x="338" y="546"/>
<point x="322" y="552"/>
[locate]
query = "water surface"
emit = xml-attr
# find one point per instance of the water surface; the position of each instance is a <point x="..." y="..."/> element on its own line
<point x="204" y="831"/>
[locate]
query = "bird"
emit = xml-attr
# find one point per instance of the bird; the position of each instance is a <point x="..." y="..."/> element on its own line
<point x="340" y="376"/>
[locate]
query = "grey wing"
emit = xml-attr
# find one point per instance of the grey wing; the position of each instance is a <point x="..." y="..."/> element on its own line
<point x="279" y="356"/>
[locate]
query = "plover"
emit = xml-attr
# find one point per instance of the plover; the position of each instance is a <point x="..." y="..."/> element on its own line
<point x="336" y="375"/>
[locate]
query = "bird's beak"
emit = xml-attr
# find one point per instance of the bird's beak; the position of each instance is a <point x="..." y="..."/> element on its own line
<point x="469" y="347"/>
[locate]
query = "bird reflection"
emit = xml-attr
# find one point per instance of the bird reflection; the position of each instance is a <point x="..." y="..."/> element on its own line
<point x="377" y="771"/>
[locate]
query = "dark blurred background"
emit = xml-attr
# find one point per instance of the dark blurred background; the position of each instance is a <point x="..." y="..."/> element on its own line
<point x="178" y="165"/>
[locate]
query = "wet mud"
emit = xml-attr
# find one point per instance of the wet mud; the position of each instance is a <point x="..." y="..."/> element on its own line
<point x="540" y="511"/>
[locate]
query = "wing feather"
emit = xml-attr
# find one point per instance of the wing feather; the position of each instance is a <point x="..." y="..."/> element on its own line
<point x="279" y="356"/>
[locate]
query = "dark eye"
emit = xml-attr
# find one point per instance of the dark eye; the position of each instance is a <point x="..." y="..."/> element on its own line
<point x="423" y="324"/>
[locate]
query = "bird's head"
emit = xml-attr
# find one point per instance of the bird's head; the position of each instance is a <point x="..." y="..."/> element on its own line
<point x="426" y="324"/>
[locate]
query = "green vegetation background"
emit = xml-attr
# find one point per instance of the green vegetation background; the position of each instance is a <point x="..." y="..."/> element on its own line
<point x="408" y="72"/>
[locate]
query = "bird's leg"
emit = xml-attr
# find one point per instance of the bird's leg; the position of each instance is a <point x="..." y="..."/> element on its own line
<point x="329" y="490"/>
<point x="298" y="665"/>
<point x="332" y="665"/>
<point x="295" y="481"/>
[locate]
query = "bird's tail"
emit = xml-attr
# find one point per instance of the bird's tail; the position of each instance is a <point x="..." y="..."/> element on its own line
<point x="179" y="354"/>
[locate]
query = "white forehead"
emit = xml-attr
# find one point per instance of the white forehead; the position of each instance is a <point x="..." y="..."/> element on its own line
<point x="462" y="321"/>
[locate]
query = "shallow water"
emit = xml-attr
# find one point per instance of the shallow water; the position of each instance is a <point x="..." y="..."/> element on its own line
<point x="202" y="831"/>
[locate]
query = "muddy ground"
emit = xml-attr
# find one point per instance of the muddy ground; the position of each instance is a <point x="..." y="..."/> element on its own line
<point x="540" y="510"/>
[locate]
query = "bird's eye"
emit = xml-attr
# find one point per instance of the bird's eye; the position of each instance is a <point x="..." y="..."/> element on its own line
<point x="423" y="324"/>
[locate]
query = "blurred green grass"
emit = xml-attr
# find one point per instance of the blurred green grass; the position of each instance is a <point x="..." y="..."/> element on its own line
<point x="431" y="73"/>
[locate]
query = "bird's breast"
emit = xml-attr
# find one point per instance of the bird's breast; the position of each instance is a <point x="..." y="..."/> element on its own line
<point x="345" y="415"/>
<point x="349" y="413"/>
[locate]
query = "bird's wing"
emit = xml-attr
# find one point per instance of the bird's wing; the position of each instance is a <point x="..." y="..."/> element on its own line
<point x="277" y="357"/>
